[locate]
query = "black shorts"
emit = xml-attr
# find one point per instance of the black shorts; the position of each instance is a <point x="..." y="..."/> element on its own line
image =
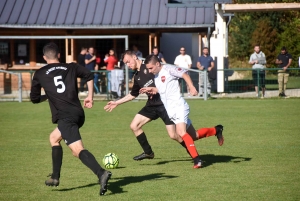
<point x="260" y="78"/>
<point x="69" y="128"/>
<point x="155" y="112"/>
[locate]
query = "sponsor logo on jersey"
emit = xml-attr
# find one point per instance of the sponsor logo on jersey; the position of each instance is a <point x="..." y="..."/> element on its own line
<point x="163" y="78"/>
<point x="179" y="69"/>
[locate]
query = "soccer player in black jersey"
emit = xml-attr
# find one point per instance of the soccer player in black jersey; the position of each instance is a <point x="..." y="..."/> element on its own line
<point x="153" y="110"/>
<point x="59" y="81"/>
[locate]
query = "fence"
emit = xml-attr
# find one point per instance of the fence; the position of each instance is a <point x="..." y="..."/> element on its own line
<point x="15" y="85"/>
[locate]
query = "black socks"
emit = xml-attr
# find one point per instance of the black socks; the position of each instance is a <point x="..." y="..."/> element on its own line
<point x="57" y="156"/>
<point x="89" y="160"/>
<point x="142" y="139"/>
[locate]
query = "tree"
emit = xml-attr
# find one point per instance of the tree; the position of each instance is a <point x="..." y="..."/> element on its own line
<point x="266" y="36"/>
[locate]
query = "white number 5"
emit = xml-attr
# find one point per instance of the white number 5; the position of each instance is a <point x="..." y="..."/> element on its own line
<point x="58" y="82"/>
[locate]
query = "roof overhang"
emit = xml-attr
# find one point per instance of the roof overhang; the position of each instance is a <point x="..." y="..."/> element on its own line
<point x="160" y="26"/>
<point x="232" y="8"/>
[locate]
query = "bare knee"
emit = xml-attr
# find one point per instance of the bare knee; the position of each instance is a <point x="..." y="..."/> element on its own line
<point x="55" y="138"/>
<point x="76" y="148"/>
<point x="134" y="127"/>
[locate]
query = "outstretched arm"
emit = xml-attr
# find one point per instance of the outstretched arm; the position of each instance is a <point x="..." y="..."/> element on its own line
<point x="149" y="90"/>
<point x="113" y="104"/>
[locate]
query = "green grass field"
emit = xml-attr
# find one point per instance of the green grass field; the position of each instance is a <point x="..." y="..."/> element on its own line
<point x="259" y="160"/>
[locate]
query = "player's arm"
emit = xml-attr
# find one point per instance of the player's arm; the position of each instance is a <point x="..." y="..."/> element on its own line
<point x="278" y="61"/>
<point x="288" y="65"/>
<point x="149" y="90"/>
<point x="132" y="95"/>
<point x="88" y="101"/>
<point x="35" y="92"/>
<point x="113" y="104"/>
<point x="189" y="82"/>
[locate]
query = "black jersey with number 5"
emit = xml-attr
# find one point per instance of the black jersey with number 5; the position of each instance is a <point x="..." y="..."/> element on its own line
<point x="142" y="79"/>
<point x="59" y="81"/>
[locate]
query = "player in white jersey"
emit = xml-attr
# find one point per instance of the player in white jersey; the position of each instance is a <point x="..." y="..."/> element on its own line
<point x="166" y="82"/>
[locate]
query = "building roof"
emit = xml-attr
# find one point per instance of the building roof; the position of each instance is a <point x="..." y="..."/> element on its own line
<point x="107" y="14"/>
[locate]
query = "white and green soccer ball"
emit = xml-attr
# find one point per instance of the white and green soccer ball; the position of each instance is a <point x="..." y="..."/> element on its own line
<point x="110" y="161"/>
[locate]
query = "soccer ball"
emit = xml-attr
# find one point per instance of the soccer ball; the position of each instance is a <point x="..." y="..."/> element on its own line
<point x="110" y="161"/>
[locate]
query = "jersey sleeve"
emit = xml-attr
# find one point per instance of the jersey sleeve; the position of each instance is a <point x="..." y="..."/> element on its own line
<point x="35" y="92"/>
<point x="83" y="72"/>
<point x="175" y="71"/>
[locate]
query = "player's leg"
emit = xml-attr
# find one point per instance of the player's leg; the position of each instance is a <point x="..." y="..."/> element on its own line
<point x="57" y="155"/>
<point x="181" y="130"/>
<point x="136" y="125"/>
<point x="69" y="129"/>
<point x="207" y="132"/>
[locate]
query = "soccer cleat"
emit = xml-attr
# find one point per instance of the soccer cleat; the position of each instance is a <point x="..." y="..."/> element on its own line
<point x="51" y="181"/>
<point x="143" y="156"/>
<point x="103" y="182"/>
<point x="197" y="163"/>
<point x="219" y="131"/>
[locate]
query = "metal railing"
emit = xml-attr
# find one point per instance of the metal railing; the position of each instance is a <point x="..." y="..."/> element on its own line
<point x="238" y="82"/>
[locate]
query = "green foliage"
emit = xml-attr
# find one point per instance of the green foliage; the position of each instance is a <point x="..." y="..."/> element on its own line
<point x="271" y="30"/>
<point x="266" y="36"/>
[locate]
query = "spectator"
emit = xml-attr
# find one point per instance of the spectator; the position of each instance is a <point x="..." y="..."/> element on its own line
<point x="90" y="64"/>
<point x="81" y="62"/>
<point x="258" y="60"/>
<point x="111" y="61"/>
<point x="136" y="51"/>
<point x="158" y="54"/>
<point x="284" y="60"/>
<point x="205" y="62"/>
<point x="183" y="60"/>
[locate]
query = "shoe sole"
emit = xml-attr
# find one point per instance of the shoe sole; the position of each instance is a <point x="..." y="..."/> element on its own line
<point x="142" y="159"/>
<point x="52" y="185"/>
<point x="104" y="187"/>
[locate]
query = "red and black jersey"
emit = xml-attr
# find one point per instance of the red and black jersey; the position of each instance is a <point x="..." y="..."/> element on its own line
<point x="142" y="79"/>
<point x="59" y="81"/>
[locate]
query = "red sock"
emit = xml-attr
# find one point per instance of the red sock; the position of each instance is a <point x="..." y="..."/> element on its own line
<point x="190" y="145"/>
<point x="206" y="132"/>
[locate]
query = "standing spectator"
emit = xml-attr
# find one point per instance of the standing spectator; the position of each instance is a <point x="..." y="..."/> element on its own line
<point x="136" y="51"/>
<point x="96" y="74"/>
<point x="159" y="55"/>
<point x="205" y="62"/>
<point x="80" y="61"/>
<point x="284" y="60"/>
<point x="90" y="64"/>
<point x="183" y="60"/>
<point x="59" y="81"/>
<point x="111" y="61"/>
<point x="258" y="60"/>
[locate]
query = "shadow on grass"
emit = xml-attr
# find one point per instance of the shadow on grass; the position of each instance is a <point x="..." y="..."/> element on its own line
<point x="117" y="186"/>
<point x="78" y="187"/>
<point x="210" y="159"/>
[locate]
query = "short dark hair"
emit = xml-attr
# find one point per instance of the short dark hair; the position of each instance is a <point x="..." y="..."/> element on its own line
<point x="127" y="52"/>
<point x="83" y="48"/>
<point x="283" y="48"/>
<point x="151" y="59"/>
<point x="155" y="47"/>
<point x="51" y="51"/>
<point x="205" y="48"/>
<point x="256" y="45"/>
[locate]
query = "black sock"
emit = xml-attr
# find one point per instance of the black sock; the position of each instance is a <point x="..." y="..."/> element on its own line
<point x="89" y="160"/>
<point x="144" y="143"/>
<point x="183" y="144"/>
<point x="57" y="155"/>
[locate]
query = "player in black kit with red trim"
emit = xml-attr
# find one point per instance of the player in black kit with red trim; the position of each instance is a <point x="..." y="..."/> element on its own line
<point x="59" y="81"/>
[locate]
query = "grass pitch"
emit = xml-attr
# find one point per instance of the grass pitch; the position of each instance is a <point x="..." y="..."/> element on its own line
<point x="259" y="160"/>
